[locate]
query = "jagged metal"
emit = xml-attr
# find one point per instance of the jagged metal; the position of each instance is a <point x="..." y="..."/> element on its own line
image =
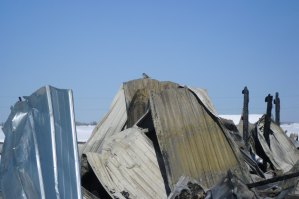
<point x="277" y="108"/>
<point x="280" y="150"/>
<point x="245" y="114"/>
<point x="40" y="155"/>
<point x="268" y="99"/>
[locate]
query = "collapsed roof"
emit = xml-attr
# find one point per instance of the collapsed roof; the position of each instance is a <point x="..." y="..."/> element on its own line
<point x="282" y="153"/>
<point x="158" y="140"/>
<point x="182" y="129"/>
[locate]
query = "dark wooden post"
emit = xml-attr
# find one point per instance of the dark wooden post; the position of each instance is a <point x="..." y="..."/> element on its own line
<point x="277" y="109"/>
<point x="245" y="92"/>
<point x="268" y="99"/>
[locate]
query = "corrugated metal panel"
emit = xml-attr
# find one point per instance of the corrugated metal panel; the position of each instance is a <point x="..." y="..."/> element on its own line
<point x="87" y="195"/>
<point x="137" y="96"/>
<point x="131" y="87"/>
<point x="128" y="165"/>
<point x="202" y="94"/>
<point x="191" y="142"/>
<point x="138" y="106"/>
<point x="40" y="155"/>
<point x="282" y="152"/>
<point x="113" y="122"/>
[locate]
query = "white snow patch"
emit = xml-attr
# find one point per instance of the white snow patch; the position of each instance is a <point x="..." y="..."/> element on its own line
<point x="253" y="118"/>
<point x="291" y="128"/>
<point x="2" y="136"/>
<point x="84" y="132"/>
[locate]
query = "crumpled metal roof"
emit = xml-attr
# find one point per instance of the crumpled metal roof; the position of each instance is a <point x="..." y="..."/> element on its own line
<point x="231" y="187"/>
<point x="137" y="96"/>
<point x="282" y="152"/>
<point x="40" y="156"/>
<point x="154" y="135"/>
<point x="113" y="122"/>
<point x="127" y="165"/>
<point x="191" y="141"/>
<point x="187" y="132"/>
<point x="202" y="95"/>
<point x="131" y="87"/>
<point x="184" y="137"/>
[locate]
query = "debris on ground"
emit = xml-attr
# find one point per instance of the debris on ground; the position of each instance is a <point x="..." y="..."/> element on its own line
<point x="158" y="140"/>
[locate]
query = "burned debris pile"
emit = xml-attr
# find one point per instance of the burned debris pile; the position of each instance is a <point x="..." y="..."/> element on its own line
<point x="158" y="140"/>
<point x="159" y="137"/>
<point x="155" y="133"/>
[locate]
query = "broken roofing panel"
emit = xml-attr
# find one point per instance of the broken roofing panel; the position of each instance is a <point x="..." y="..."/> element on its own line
<point x="128" y="166"/>
<point x="131" y="87"/>
<point x="113" y="122"/>
<point x="202" y="95"/>
<point x="191" y="142"/>
<point x="137" y="96"/>
<point x="87" y="195"/>
<point x="231" y="186"/>
<point x="138" y="106"/>
<point x="40" y="156"/>
<point x="282" y="152"/>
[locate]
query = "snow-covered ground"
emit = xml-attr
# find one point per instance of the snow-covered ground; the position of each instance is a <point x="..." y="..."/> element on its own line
<point x="253" y="118"/>
<point x="291" y="128"/>
<point x="83" y="133"/>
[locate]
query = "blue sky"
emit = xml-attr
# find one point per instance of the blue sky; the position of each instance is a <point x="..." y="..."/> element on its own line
<point x="94" y="46"/>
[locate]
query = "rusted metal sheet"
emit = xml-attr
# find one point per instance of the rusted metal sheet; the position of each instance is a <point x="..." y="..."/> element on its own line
<point x="132" y="86"/>
<point x="112" y="123"/>
<point x="127" y="166"/>
<point x="191" y="141"/>
<point x="282" y="152"/>
<point x="137" y="96"/>
<point x="138" y="106"/>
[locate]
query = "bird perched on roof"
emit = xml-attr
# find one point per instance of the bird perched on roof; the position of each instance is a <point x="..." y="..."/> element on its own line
<point x="145" y="76"/>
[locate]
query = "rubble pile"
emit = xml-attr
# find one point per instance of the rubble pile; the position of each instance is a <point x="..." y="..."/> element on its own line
<point x="163" y="140"/>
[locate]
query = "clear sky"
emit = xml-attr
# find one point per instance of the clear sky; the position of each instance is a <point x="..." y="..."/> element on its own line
<point x="93" y="46"/>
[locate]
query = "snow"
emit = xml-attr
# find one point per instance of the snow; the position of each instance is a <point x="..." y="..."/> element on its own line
<point x="291" y="128"/>
<point x="84" y="132"/>
<point x="1" y="135"/>
<point x="253" y="118"/>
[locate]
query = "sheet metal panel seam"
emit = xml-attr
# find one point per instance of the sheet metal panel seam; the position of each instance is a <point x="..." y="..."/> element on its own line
<point x="52" y="126"/>
<point x="237" y="153"/>
<point x="39" y="170"/>
<point x="74" y="139"/>
<point x="156" y="120"/>
<point x="232" y="144"/>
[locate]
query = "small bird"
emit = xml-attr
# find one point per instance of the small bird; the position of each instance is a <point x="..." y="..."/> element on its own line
<point x="20" y="99"/>
<point x="145" y="76"/>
